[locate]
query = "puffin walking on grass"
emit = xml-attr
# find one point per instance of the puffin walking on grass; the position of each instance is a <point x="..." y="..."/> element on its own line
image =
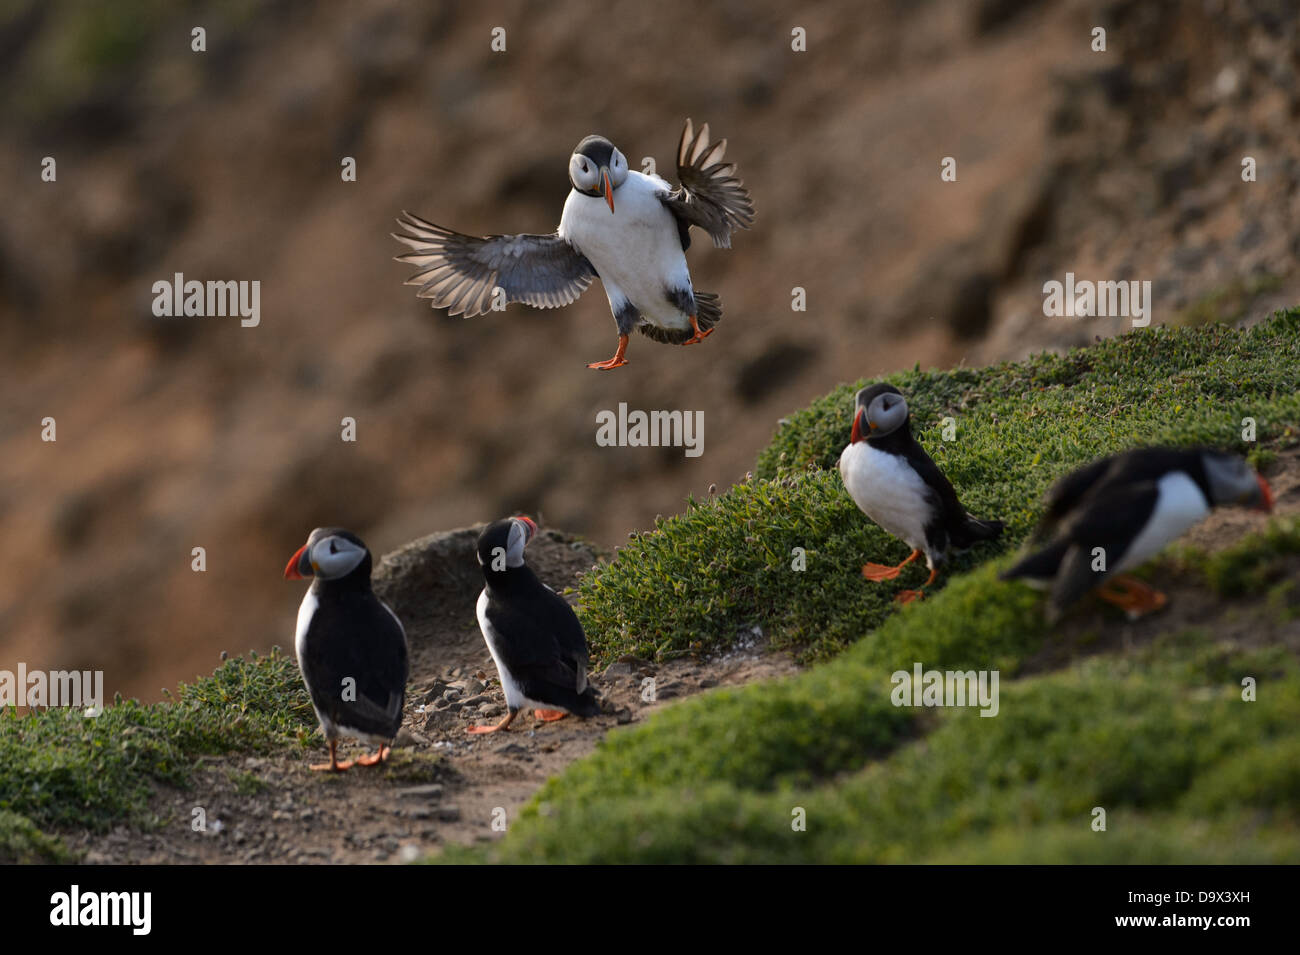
<point x="532" y="633"/>
<point x="629" y="229"/>
<point x="1116" y="513"/>
<point x="351" y="646"/>
<point x="896" y="484"/>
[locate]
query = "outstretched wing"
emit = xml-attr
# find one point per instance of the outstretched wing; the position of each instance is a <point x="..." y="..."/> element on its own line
<point x="709" y="195"/>
<point x="459" y="272"/>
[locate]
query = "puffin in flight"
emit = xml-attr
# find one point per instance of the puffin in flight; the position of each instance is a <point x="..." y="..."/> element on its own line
<point x="629" y="229"/>
<point x="1130" y="506"/>
<point x="532" y="633"/>
<point x="896" y="484"/>
<point x="351" y="646"/>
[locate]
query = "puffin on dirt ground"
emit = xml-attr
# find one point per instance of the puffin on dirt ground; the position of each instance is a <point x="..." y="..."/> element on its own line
<point x="1116" y="513"/>
<point x="896" y="484"/>
<point x="629" y="229"/>
<point x="532" y="633"/>
<point x="351" y="646"/>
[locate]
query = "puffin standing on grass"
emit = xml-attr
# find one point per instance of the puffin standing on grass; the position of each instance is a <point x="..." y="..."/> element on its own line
<point x="896" y="484"/>
<point x="628" y="228"/>
<point x="351" y="646"/>
<point x="532" y="633"/>
<point x="1116" y="513"/>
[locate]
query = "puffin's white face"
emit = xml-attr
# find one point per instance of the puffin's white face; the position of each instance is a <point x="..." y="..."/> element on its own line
<point x="886" y="414"/>
<point x="585" y="174"/>
<point x="617" y="169"/>
<point x="333" y="557"/>
<point x="521" y="533"/>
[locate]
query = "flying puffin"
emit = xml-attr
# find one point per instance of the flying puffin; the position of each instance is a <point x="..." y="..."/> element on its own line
<point x="351" y="646"/>
<point x="532" y="633"/>
<point x="1130" y="506"/>
<point x="894" y="482"/>
<point x="629" y="229"/>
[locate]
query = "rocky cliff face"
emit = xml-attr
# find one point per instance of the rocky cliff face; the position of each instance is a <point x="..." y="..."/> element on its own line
<point x="183" y="433"/>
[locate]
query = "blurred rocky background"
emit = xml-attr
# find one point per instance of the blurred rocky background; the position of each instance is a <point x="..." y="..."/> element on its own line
<point x="186" y="432"/>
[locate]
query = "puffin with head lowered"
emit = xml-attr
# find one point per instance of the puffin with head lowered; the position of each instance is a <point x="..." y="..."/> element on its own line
<point x="351" y="646"/>
<point x="629" y="229"/>
<point x="533" y="635"/>
<point x="896" y="484"/>
<point x="1116" y="513"/>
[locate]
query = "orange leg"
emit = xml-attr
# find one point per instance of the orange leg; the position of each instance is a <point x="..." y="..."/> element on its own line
<point x="699" y="335"/>
<point x="376" y="759"/>
<point x="1132" y="596"/>
<point x="549" y="716"/>
<point x="333" y="766"/>
<point x="884" y="572"/>
<point x="907" y="596"/>
<point x="504" y="724"/>
<point x="618" y="358"/>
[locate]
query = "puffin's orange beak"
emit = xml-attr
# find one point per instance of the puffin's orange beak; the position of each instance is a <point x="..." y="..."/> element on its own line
<point x="857" y="427"/>
<point x="609" y="190"/>
<point x="1266" y="492"/>
<point x="292" y="570"/>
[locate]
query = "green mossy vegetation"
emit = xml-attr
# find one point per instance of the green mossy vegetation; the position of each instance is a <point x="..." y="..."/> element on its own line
<point x="62" y="769"/>
<point x="1159" y="735"/>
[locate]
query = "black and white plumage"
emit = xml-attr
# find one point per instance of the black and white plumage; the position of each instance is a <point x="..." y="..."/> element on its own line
<point x="1118" y="512"/>
<point x="628" y="228"/>
<point x="896" y="484"/>
<point x="533" y="635"/>
<point x="351" y="647"/>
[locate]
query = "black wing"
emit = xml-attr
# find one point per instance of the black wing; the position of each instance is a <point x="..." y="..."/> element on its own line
<point x="374" y="656"/>
<point x="709" y="195"/>
<point x="1109" y="519"/>
<point x="552" y="664"/>
<point x="1130" y="467"/>
<point x="459" y="272"/>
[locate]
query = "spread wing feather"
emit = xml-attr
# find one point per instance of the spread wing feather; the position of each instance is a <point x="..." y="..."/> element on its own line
<point x="710" y="195"/>
<point x="459" y="272"/>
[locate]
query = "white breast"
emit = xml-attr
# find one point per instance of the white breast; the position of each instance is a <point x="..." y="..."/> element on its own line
<point x="515" y="698"/>
<point x="888" y="491"/>
<point x="306" y="610"/>
<point x="636" y="250"/>
<point x="1179" y="505"/>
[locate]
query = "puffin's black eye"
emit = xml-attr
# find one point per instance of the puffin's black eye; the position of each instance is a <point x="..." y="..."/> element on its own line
<point x="334" y="548"/>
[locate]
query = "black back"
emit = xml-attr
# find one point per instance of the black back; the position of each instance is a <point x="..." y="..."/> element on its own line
<point x="539" y="638"/>
<point x="354" y="635"/>
<point x="1129" y="467"/>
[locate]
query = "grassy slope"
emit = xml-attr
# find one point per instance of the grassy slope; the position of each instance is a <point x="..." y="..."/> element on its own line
<point x="725" y="565"/>
<point x="1158" y="735"/>
<point x="59" y="769"/>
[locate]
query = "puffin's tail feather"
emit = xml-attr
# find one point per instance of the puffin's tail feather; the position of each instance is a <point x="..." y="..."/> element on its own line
<point x="1041" y="564"/>
<point x="975" y="530"/>
<point x="708" y="312"/>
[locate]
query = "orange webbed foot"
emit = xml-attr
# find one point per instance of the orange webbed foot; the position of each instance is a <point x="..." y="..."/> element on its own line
<point x="549" y="716"/>
<point x="880" y="571"/>
<point x="480" y="730"/>
<point x="376" y="759"/>
<point x="1132" y="596"/>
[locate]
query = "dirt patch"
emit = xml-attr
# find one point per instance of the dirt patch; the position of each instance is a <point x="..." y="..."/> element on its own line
<point x="441" y="785"/>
